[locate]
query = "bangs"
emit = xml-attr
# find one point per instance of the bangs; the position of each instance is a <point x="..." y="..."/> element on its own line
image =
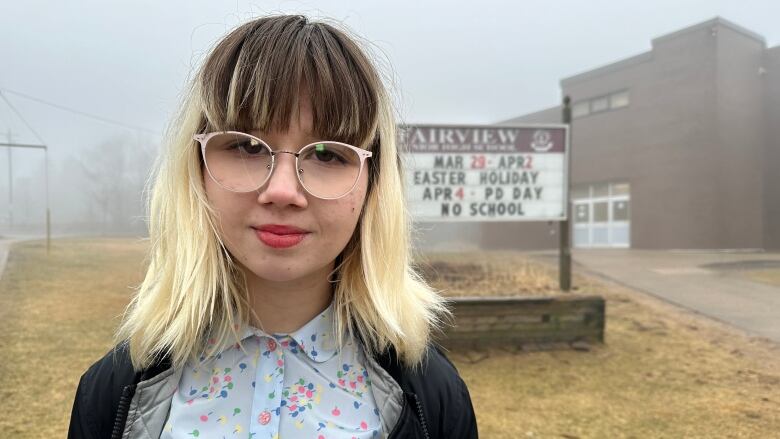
<point x="254" y="77"/>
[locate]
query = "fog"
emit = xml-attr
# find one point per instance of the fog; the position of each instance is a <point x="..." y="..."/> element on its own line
<point x="97" y="82"/>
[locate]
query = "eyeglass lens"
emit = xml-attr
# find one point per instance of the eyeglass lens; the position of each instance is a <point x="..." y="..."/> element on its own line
<point x="241" y="163"/>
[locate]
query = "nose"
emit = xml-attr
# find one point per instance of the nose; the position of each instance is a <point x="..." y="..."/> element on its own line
<point x="283" y="187"/>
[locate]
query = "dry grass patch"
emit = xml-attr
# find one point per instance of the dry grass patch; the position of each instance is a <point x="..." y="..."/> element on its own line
<point x="662" y="372"/>
<point x="485" y="273"/>
<point x="57" y="316"/>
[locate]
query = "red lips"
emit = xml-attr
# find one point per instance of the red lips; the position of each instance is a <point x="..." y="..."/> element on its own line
<point x="279" y="229"/>
<point x="280" y="236"/>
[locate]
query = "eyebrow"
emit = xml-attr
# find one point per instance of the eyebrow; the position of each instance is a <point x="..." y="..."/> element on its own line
<point x="275" y="147"/>
<point x="313" y="136"/>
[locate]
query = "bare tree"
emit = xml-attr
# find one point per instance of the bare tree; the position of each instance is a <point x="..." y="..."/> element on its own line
<point x="115" y="172"/>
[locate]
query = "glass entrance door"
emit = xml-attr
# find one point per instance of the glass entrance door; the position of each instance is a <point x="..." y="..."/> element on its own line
<point x="601" y="216"/>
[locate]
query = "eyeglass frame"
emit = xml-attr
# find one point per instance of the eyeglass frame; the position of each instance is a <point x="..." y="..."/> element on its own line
<point x="203" y="139"/>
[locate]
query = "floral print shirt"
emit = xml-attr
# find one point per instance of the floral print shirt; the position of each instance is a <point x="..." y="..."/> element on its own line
<point x="284" y="386"/>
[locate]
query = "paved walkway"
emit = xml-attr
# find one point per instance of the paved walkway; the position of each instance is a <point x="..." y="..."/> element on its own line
<point x="701" y="281"/>
<point x="5" y="245"/>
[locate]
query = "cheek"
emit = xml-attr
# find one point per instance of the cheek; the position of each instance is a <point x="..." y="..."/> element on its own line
<point x="213" y="195"/>
<point x="344" y="217"/>
<point x="356" y="204"/>
<point x="358" y="199"/>
<point x="226" y="205"/>
<point x="344" y="213"/>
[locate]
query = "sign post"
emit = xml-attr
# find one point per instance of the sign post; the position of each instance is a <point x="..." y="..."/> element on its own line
<point x="485" y="173"/>
<point x="564" y="251"/>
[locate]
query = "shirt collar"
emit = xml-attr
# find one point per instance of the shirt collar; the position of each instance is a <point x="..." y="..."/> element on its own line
<point x="316" y="338"/>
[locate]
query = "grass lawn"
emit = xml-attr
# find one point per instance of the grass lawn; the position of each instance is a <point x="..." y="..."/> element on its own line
<point x="662" y="372"/>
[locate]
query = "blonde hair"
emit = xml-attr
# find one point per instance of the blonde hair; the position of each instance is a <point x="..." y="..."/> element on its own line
<point x="193" y="297"/>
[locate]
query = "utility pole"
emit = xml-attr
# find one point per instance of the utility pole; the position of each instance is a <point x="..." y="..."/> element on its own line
<point x="9" y="137"/>
<point x="9" y="144"/>
<point x="46" y="179"/>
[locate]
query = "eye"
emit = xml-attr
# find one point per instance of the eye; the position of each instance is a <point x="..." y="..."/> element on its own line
<point x="327" y="155"/>
<point x="248" y="147"/>
<point x="331" y="155"/>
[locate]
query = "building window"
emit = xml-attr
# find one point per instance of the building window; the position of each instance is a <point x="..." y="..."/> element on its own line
<point x="581" y="213"/>
<point x="620" y="210"/>
<point x="599" y="104"/>
<point x="619" y="99"/>
<point x="619" y="189"/>
<point x="600" y="190"/>
<point x="612" y="101"/>
<point x="580" y="109"/>
<point x="600" y="212"/>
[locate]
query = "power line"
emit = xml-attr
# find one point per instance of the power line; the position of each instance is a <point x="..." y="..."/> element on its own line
<point x="74" y="111"/>
<point x="29" y="127"/>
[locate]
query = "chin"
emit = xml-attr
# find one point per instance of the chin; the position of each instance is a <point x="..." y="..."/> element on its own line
<point x="278" y="274"/>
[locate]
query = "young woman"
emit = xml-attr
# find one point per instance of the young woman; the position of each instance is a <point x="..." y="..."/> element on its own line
<point x="279" y="300"/>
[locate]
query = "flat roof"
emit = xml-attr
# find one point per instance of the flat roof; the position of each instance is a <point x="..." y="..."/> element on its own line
<point x="647" y="56"/>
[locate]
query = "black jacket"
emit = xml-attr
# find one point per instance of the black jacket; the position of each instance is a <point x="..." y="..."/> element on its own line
<point x="436" y="401"/>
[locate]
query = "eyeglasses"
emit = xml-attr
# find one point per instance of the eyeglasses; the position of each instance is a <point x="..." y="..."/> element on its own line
<point x="240" y="162"/>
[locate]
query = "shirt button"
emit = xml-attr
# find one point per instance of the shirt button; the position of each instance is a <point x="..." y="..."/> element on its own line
<point x="264" y="417"/>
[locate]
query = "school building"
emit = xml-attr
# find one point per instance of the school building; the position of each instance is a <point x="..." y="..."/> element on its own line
<point x="674" y="148"/>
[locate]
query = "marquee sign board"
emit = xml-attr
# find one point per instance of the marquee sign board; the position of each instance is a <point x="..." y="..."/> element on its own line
<point x="486" y="172"/>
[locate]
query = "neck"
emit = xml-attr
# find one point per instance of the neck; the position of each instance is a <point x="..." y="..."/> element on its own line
<point x="284" y="307"/>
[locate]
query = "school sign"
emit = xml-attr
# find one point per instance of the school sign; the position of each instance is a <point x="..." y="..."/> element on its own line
<point x="486" y="173"/>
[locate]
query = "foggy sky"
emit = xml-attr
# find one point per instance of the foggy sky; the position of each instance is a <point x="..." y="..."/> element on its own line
<point x="453" y="61"/>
